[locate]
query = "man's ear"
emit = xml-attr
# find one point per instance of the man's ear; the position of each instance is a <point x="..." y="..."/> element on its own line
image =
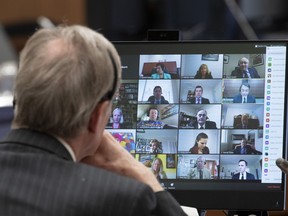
<point x="99" y="117"/>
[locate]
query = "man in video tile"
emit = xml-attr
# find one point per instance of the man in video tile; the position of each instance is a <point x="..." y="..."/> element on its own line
<point x="201" y="122"/>
<point x="243" y="174"/>
<point x="200" y="171"/>
<point x="245" y="148"/>
<point x="157" y="97"/>
<point x="198" y="99"/>
<point x="244" y="96"/>
<point x="244" y="71"/>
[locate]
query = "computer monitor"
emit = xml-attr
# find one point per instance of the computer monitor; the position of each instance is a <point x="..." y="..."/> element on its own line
<point x="170" y="89"/>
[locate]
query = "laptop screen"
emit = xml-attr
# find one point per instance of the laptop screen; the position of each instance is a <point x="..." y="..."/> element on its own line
<point x="207" y="117"/>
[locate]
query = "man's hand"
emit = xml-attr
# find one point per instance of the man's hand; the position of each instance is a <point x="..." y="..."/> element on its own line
<point x="113" y="157"/>
<point x="282" y="164"/>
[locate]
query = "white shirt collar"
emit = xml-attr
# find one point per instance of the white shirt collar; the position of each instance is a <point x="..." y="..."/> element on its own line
<point x="68" y="147"/>
<point x="244" y="175"/>
<point x="199" y="126"/>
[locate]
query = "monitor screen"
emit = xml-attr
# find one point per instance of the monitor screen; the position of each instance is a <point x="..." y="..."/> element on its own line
<point x="208" y="118"/>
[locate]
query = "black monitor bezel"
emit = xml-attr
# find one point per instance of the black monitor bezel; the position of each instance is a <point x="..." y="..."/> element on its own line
<point x="216" y="199"/>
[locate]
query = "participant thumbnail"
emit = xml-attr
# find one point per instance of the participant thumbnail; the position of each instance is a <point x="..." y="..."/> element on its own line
<point x="163" y="166"/>
<point x="157" y="116"/>
<point x="242" y="142"/>
<point x="201" y="92"/>
<point x="199" y="141"/>
<point x="197" y="166"/>
<point x="202" y="66"/>
<point x="122" y="117"/>
<point x="248" y="116"/>
<point x="200" y="116"/>
<point x="241" y="167"/>
<point x="158" y="92"/>
<point x="243" y="91"/>
<point x="159" y="66"/>
<point x="126" y="138"/>
<point x="157" y="142"/>
<point x="244" y="66"/>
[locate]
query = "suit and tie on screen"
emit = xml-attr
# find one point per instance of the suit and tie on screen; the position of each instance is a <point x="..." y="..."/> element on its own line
<point x="245" y="148"/>
<point x="243" y="174"/>
<point x="244" y="96"/>
<point x="244" y="71"/>
<point x="157" y="97"/>
<point x="201" y="122"/>
<point x="198" y="99"/>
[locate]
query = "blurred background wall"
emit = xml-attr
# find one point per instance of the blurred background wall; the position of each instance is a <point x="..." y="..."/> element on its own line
<point x="130" y="20"/>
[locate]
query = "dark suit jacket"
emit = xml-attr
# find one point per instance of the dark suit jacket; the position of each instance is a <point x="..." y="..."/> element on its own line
<point x="239" y="74"/>
<point x="249" y="150"/>
<point x="40" y="178"/>
<point x="208" y="125"/>
<point x="238" y="99"/>
<point x="151" y="100"/>
<point x="204" y="100"/>
<point x="249" y="176"/>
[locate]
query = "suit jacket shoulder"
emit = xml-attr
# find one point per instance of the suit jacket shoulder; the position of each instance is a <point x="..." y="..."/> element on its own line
<point x="48" y="173"/>
<point x="205" y="101"/>
<point x="237" y="99"/>
<point x="235" y="176"/>
<point x="251" y="99"/>
<point x="210" y="125"/>
<point x="249" y="176"/>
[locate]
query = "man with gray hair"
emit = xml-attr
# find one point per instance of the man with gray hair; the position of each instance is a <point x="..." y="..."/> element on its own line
<point x="58" y="159"/>
<point x="244" y="71"/>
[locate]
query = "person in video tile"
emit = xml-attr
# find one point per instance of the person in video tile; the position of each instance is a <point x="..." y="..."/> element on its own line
<point x="157" y="97"/>
<point x="203" y="72"/>
<point x="117" y="119"/>
<point x="198" y="99"/>
<point x="153" y="121"/>
<point x="244" y="71"/>
<point x="200" y="171"/>
<point x="244" y="96"/>
<point x="160" y="72"/>
<point x="157" y="169"/>
<point x="200" y="146"/>
<point x="245" y="148"/>
<point x="202" y="122"/>
<point x="243" y="174"/>
<point x="156" y="146"/>
<point x="244" y="122"/>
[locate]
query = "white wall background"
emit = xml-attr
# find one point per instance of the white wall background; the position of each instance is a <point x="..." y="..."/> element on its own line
<point x="191" y="63"/>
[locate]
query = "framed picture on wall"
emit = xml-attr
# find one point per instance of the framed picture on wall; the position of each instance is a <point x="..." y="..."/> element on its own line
<point x="257" y="59"/>
<point x="210" y="57"/>
<point x="225" y="59"/>
<point x="238" y="136"/>
<point x="170" y="161"/>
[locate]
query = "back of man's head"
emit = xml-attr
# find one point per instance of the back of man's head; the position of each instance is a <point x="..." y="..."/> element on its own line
<point x="64" y="72"/>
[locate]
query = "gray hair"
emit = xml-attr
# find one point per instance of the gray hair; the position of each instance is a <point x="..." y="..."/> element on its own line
<point x="64" y="72"/>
